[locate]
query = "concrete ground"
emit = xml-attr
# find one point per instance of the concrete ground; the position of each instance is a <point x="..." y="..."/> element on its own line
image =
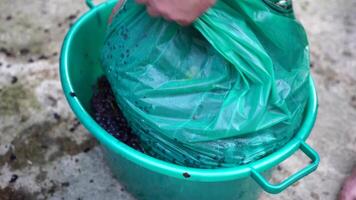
<point x="46" y="154"/>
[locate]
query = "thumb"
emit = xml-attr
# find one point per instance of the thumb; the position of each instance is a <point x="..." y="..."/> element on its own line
<point x="115" y="10"/>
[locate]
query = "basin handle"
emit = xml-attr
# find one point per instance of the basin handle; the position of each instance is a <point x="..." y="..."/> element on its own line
<point x="279" y="187"/>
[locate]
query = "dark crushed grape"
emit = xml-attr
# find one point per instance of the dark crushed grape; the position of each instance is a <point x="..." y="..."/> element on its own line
<point x="109" y="116"/>
<point x="13" y="178"/>
<point x="186" y="175"/>
<point x="12" y="157"/>
<point x="72" y="94"/>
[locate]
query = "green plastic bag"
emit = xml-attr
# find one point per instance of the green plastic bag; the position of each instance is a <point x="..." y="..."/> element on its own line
<point x="224" y="92"/>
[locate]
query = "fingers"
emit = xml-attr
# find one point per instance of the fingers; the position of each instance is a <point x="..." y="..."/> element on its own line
<point x="184" y="22"/>
<point x="115" y="10"/>
<point x="141" y="1"/>
<point x="169" y="11"/>
<point x="165" y="17"/>
<point x="118" y="6"/>
<point x="152" y="11"/>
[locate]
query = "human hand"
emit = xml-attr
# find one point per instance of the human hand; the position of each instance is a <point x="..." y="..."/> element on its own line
<point x="184" y="12"/>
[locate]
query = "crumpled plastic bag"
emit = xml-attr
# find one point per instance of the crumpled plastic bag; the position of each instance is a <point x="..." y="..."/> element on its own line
<point x="223" y="92"/>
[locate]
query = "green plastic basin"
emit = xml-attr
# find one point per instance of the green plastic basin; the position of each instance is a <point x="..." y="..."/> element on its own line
<point x="149" y="178"/>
